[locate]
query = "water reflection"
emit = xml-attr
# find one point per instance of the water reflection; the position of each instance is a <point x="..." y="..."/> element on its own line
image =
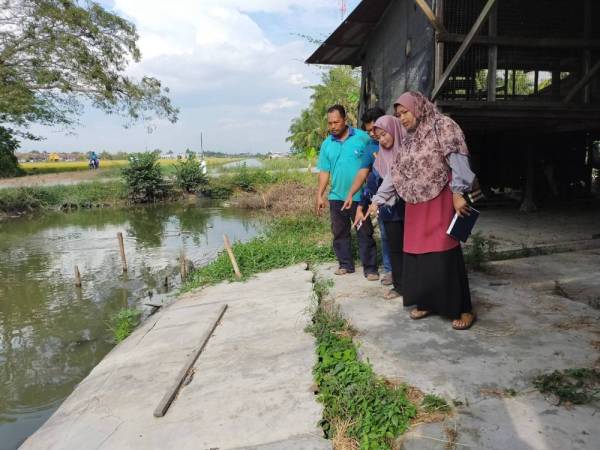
<point x="51" y="333"/>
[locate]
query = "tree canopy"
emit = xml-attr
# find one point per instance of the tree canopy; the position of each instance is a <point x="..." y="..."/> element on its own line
<point x="56" y="55"/>
<point x="340" y="85"/>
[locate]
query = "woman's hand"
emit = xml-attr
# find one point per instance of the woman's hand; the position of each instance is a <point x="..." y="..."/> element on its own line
<point x="359" y="216"/>
<point x="460" y="204"/>
<point x="373" y="210"/>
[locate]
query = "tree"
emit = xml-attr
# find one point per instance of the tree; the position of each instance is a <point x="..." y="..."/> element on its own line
<point x="8" y="161"/>
<point x="340" y="85"/>
<point x="57" y="55"/>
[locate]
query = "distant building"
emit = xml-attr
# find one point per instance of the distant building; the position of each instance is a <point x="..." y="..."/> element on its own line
<point x="54" y="157"/>
<point x="278" y="155"/>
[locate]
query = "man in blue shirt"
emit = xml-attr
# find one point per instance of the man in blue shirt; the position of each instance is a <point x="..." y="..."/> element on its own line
<point x="340" y="158"/>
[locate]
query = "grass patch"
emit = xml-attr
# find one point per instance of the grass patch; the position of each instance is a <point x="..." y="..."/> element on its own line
<point x="124" y="322"/>
<point x="479" y="250"/>
<point x="432" y="403"/>
<point x="287" y="241"/>
<point x="364" y="407"/>
<point x="574" y="386"/>
<point x="86" y="194"/>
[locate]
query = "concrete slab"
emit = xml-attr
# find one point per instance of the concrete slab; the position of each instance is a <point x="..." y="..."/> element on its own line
<point x="250" y="389"/>
<point x="522" y="331"/>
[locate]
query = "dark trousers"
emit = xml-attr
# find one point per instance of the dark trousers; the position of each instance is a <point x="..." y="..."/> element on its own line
<point x="395" y="237"/>
<point x="341" y="223"/>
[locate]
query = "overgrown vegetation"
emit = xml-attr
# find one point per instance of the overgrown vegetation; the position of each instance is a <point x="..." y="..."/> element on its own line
<point x="144" y="178"/>
<point x="287" y="241"/>
<point x="83" y="195"/>
<point x="124" y="322"/>
<point x="188" y="173"/>
<point x="575" y="386"/>
<point x="357" y="403"/>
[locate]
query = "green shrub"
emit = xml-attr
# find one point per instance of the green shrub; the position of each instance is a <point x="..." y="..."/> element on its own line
<point x="188" y="173"/>
<point x="124" y="322"/>
<point x="144" y="178"/>
<point x="217" y="189"/>
<point x="249" y="179"/>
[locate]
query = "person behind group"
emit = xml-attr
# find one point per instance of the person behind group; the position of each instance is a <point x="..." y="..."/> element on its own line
<point x="368" y="119"/>
<point x="431" y="173"/>
<point x="389" y="133"/>
<point x="340" y="159"/>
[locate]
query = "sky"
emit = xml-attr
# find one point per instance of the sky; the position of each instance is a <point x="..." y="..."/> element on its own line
<point x="235" y="68"/>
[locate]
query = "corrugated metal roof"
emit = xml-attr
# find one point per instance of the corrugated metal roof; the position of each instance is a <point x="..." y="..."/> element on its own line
<point x="345" y="43"/>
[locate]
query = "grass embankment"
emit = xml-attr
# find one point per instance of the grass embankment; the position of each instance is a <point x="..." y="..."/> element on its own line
<point x="293" y="233"/>
<point x="83" y="195"/>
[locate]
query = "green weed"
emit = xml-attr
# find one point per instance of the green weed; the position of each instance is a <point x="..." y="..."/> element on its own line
<point x="124" y="322"/>
<point x="432" y="403"/>
<point x="576" y="386"/>
<point x="349" y="390"/>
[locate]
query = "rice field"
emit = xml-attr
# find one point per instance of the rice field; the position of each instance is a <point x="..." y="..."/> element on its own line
<point x="35" y="168"/>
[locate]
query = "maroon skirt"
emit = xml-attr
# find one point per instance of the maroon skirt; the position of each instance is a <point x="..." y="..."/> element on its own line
<point x="425" y="225"/>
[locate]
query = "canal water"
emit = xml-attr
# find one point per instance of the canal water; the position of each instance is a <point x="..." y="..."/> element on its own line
<point x="52" y="333"/>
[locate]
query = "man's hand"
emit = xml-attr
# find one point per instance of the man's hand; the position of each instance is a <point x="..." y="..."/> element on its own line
<point x="347" y="203"/>
<point x="460" y="205"/>
<point x="319" y="204"/>
<point x="359" y="217"/>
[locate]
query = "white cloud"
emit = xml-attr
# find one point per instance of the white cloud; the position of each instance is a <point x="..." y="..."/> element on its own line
<point x="279" y="103"/>
<point x="228" y="64"/>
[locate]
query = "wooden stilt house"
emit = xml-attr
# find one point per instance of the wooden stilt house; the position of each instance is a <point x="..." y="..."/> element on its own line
<point x="521" y="77"/>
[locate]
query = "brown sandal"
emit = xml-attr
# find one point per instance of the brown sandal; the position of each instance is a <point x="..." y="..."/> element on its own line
<point x="417" y="314"/>
<point x="467" y="319"/>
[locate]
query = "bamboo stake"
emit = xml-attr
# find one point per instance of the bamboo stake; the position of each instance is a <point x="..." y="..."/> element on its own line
<point x="77" y="277"/>
<point x="122" y="250"/>
<point x="234" y="263"/>
<point x="182" y="265"/>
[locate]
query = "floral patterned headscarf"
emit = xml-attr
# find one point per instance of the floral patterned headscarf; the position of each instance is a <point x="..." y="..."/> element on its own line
<point x="420" y="170"/>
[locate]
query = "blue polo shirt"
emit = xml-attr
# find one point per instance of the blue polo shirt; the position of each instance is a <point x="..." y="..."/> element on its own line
<point x="369" y="156"/>
<point x="343" y="160"/>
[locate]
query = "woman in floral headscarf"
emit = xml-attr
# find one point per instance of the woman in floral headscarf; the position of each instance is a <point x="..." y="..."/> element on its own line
<point x="431" y="172"/>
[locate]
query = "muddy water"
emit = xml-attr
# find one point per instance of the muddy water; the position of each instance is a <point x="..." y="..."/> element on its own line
<point x="52" y="333"/>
